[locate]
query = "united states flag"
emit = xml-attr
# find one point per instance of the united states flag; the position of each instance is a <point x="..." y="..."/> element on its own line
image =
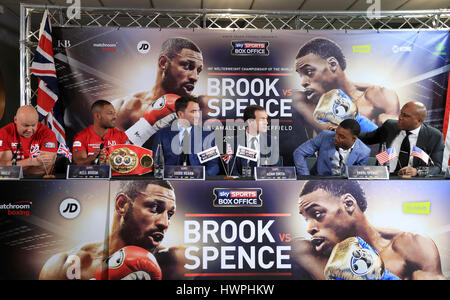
<point x="65" y="151"/>
<point x="43" y="66"/>
<point x="417" y="152"/>
<point x="386" y="155"/>
<point x="34" y="151"/>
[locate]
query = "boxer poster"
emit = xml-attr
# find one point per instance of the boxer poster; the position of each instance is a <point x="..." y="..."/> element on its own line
<point x="221" y="230"/>
<point x="287" y="72"/>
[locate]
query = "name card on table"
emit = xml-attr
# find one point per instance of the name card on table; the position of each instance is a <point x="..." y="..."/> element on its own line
<point x="88" y="172"/>
<point x="11" y="172"/>
<point x="367" y="172"/>
<point x="184" y="172"/>
<point x="275" y="173"/>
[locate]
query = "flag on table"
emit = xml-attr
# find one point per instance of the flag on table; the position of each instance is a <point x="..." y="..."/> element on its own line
<point x="34" y="151"/>
<point x="229" y="154"/>
<point x="65" y="151"/>
<point x="417" y="152"/>
<point x="386" y="155"/>
<point x="43" y="66"/>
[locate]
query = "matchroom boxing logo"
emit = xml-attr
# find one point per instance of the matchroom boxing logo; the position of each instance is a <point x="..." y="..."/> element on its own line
<point x="20" y="208"/>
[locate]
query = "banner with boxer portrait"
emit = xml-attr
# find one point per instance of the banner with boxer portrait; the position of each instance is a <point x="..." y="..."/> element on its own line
<point x="222" y="230"/>
<point x="368" y="74"/>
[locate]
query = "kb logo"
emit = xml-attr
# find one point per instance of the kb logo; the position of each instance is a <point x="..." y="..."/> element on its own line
<point x="70" y="208"/>
<point x="143" y="47"/>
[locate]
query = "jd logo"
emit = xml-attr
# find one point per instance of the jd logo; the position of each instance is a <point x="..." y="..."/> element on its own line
<point x="70" y="208"/>
<point x="143" y="47"/>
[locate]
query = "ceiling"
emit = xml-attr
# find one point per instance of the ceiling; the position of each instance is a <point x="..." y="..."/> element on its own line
<point x="12" y="6"/>
<point x="10" y="9"/>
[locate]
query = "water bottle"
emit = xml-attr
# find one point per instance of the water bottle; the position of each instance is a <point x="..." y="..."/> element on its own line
<point x="247" y="170"/>
<point x="158" y="166"/>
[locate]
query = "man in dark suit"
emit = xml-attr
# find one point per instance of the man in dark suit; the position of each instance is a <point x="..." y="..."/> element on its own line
<point x="404" y="134"/>
<point x="336" y="149"/>
<point x="184" y="138"/>
<point x="255" y="136"/>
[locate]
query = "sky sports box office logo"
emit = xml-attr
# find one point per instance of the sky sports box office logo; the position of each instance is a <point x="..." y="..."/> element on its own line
<point x="237" y="197"/>
<point x="247" y="48"/>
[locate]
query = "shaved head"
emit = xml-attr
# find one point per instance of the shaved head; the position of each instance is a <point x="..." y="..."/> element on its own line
<point x="26" y="121"/>
<point x="27" y="112"/>
<point x="419" y="108"/>
<point x="412" y="115"/>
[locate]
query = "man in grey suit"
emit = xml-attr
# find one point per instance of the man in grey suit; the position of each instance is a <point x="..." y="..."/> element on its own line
<point x="335" y="150"/>
<point x="404" y="134"/>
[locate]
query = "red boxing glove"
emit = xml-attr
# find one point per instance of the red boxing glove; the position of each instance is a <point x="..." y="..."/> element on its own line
<point x="128" y="260"/>
<point x="162" y="107"/>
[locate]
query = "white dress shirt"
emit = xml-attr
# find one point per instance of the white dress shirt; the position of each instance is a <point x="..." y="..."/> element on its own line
<point x="345" y="155"/>
<point x="397" y="143"/>
<point x="249" y="138"/>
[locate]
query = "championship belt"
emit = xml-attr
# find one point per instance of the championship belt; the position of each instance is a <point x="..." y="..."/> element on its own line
<point x="129" y="160"/>
<point x="334" y="107"/>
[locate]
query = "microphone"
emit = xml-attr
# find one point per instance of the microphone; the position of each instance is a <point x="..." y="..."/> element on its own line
<point x="14" y="158"/>
<point x="96" y="160"/>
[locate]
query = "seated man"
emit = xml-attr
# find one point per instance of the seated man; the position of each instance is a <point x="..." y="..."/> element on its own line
<point x="184" y="138"/>
<point x="89" y="144"/>
<point x="335" y="150"/>
<point x="256" y="137"/>
<point x="404" y="134"/>
<point x="25" y="134"/>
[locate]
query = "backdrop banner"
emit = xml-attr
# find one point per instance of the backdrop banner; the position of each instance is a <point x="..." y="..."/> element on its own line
<point x="286" y="72"/>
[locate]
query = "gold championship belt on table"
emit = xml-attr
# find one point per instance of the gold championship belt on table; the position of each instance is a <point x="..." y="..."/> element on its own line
<point x="129" y="160"/>
<point x="334" y="107"/>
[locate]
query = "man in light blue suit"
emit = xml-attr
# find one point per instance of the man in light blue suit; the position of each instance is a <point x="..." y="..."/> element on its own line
<point x="336" y="149"/>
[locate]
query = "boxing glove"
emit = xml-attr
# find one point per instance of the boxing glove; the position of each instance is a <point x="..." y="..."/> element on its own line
<point x="335" y="106"/>
<point x="130" y="262"/>
<point x="160" y="108"/>
<point x="354" y="259"/>
<point x="158" y="115"/>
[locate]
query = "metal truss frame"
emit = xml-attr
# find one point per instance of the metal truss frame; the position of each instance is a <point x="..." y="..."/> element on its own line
<point x="31" y="15"/>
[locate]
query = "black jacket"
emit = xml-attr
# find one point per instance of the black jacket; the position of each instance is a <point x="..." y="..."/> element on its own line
<point x="429" y="140"/>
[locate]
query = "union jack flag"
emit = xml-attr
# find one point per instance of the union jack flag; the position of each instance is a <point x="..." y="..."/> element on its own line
<point x="386" y="155"/>
<point x="34" y="151"/>
<point x="229" y="154"/>
<point x="64" y="151"/>
<point x="43" y="66"/>
<point x="417" y="152"/>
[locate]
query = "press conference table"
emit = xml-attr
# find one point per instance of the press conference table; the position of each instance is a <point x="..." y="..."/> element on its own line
<point x="41" y="217"/>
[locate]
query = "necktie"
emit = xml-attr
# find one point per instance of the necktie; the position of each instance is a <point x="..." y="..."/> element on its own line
<point x="253" y="143"/>
<point x="341" y="159"/>
<point x="403" y="157"/>
<point x="185" y="147"/>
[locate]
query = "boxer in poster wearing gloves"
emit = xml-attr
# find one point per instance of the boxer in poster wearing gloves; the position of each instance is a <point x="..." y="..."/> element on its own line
<point x="141" y="115"/>
<point x="132" y="251"/>
<point x="329" y="97"/>
<point x="344" y="245"/>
